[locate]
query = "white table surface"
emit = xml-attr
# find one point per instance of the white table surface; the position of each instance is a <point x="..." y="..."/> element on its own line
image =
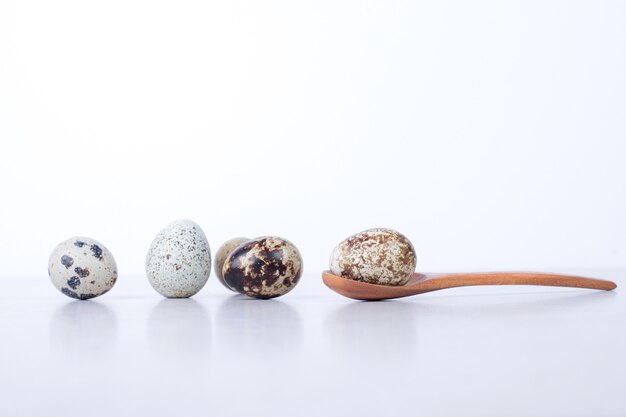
<point x="482" y="351"/>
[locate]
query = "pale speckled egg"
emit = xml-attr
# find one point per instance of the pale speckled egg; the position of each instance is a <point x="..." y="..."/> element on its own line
<point x="265" y="267"/>
<point x="178" y="263"/>
<point x="82" y="268"/>
<point x="221" y="255"/>
<point x="378" y="256"/>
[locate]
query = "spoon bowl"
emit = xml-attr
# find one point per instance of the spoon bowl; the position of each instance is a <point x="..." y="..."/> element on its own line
<point x="420" y="283"/>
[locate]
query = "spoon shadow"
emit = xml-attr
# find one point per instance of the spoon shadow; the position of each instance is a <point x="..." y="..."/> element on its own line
<point x="385" y="329"/>
<point x="390" y="327"/>
<point x="513" y="305"/>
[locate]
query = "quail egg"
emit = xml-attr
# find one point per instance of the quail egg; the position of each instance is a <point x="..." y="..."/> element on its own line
<point x="378" y="256"/>
<point x="178" y="263"/>
<point x="265" y="267"/>
<point x="82" y="268"/>
<point x="221" y="255"/>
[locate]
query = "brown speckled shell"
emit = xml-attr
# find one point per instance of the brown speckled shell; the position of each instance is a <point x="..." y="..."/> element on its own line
<point x="377" y="256"/>
<point x="222" y="254"/>
<point x="265" y="267"/>
<point x="178" y="263"/>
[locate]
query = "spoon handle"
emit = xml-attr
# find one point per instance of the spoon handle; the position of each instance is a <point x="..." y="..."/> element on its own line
<point x="441" y="281"/>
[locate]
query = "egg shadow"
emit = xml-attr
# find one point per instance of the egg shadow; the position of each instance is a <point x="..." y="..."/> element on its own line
<point x="179" y="327"/>
<point x="257" y="328"/>
<point x="83" y="331"/>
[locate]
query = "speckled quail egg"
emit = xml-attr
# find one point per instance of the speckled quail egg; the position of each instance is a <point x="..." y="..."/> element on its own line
<point x="377" y="256"/>
<point x="82" y="268"/>
<point x="265" y="267"/>
<point x="178" y="263"/>
<point x="221" y="255"/>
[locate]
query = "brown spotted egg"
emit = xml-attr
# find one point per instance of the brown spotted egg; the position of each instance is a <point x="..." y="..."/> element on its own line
<point x="265" y="267"/>
<point x="221" y="255"/>
<point x="377" y="256"/>
<point x="82" y="268"/>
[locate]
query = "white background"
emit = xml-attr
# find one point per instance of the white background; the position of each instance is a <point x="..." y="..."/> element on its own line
<point x="492" y="134"/>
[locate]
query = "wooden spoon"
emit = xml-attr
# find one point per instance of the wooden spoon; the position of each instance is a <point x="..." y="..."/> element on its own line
<point x="421" y="283"/>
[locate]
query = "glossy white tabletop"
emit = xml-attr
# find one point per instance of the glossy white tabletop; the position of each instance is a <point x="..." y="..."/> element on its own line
<point x="482" y="351"/>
